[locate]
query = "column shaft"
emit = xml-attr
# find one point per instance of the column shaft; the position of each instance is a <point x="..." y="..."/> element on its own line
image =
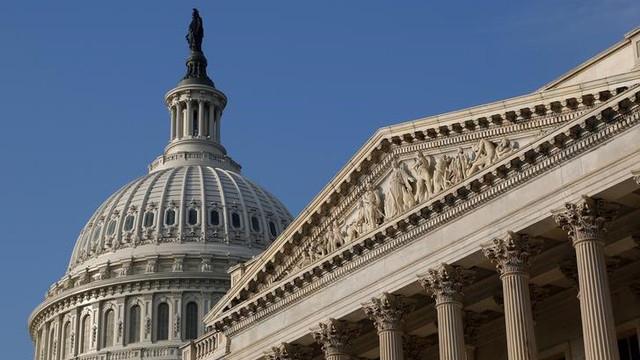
<point x="521" y="340"/>
<point x="179" y="120"/>
<point x="598" y="327"/>
<point x="450" y="330"/>
<point x="189" y="120"/>
<point x="218" y="119"/>
<point x="201" y="116"/>
<point x="173" y="111"/>
<point x="212" y="121"/>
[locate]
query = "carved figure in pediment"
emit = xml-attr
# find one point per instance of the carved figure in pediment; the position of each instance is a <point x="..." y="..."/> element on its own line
<point x="458" y="167"/>
<point x="400" y="190"/>
<point x="371" y="206"/>
<point x="440" y="174"/>
<point x="335" y="236"/>
<point x="486" y="153"/>
<point x="504" y="148"/>
<point x="352" y="232"/>
<point x="424" y="178"/>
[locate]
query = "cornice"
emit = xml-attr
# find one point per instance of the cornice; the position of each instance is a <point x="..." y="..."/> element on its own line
<point x="448" y="129"/>
<point x="566" y="142"/>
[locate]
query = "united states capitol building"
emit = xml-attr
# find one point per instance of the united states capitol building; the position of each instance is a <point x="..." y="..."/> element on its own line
<point x="509" y="230"/>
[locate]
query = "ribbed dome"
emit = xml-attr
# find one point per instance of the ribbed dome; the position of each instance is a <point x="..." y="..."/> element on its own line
<point x="190" y="209"/>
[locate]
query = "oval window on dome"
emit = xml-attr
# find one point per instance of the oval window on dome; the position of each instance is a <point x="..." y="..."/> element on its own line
<point x="214" y="217"/>
<point x="128" y="222"/>
<point x="149" y="218"/>
<point x="192" y="216"/>
<point x="272" y="229"/>
<point x="111" y="228"/>
<point x="235" y="220"/>
<point x="170" y="217"/>
<point x="255" y="224"/>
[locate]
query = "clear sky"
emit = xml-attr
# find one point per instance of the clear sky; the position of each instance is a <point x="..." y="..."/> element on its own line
<point x="82" y="85"/>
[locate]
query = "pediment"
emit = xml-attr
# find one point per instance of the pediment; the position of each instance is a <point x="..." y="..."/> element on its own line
<point x="621" y="58"/>
<point x="400" y="169"/>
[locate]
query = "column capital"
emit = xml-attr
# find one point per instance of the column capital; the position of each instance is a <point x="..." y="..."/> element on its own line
<point x="387" y="311"/>
<point x="335" y="336"/>
<point x="445" y="282"/>
<point x="636" y="176"/>
<point x="286" y="351"/>
<point x="511" y="253"/>
<point x="584" y="219"/>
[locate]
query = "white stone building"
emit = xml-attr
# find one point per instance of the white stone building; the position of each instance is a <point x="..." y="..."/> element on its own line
<point x="153" y="258"/>
<point x="476" y="234"/>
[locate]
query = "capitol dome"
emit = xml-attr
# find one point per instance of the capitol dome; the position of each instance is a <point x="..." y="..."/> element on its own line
<point x="155" y="256"/>
<point x="188" y="209"/>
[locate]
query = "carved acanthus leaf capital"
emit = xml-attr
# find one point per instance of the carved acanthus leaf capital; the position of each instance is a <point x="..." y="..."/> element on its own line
<point x="511" y="253"/>
<point x="388" y="310"/>
<point x="445" y="283"/>
<point x="335" y="336"/>
<point x="585" y="219"/>
<point x="286" y="351"/>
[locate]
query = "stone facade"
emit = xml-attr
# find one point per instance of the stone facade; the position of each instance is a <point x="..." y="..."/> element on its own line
<point x="478" y="234"/>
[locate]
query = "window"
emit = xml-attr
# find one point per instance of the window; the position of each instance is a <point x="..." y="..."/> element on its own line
<point x="96" y="233"/>
<point x="65" y="340"/>
<point x="134" y="324"/>
<point x="214" y="217"/>
<point x="170" y="217"/>
<point x="107" y="328"/>
<point x="148" y="219"/>
<point x="163" y="321"/>
<point x="255" y="224"/>
<point x="235" y="220"/>
<point x="191" y="331"/>
<point x="272" y="229"/>
<point x="192" y="216"/>
<point x="85" y="334"/>
<point x="194" y="121"/>
<point x="52" y="339"/>
<point x="128" y="222"/>
<point x="628" y="347"/>
<point x="111" y="228"/>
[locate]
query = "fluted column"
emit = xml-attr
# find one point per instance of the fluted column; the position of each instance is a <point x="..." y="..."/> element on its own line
<point x="286" y="351"/>
<point x="212" y="121"/>
<point x="218" y="117"/>
<point x="445" y="285"/>
<point x="584" y="222"/>
<point x="201" y="115"/>
<point x="179" y="120"/>
<point x="387" y="313"/>
<point x="188" y="129"/>
<point x="335" y="337"/>
<point x="173" y="111"/>
<point x="511" y="256"/>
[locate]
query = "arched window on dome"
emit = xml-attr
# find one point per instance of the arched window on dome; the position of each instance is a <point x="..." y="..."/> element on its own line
<point x="134" y="324"/>
<point x="52" y="339"/>
<point x="192" y="216"/>
<point x="214" y="217"/>
<point x="272" y="229"/>
<point x="163" y="322"/>
<point x="191" y="328"/>
<point x="85" y="334"/>
<point x="148" y="219"/>
<point x="235" y="220"/>
<point x="255" y="223"/>
<point x="108" y="328"/>
<point x="65" y="350"/>
<point x="111" y="228"/>
<point x="129" y="221"/>
<point x="170" y="217"/>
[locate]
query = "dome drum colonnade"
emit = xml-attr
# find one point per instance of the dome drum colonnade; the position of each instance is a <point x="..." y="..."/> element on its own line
<point x="155" y="255"/>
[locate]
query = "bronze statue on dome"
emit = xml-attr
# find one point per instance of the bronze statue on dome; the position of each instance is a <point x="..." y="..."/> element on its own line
<point x="196" y="32"/>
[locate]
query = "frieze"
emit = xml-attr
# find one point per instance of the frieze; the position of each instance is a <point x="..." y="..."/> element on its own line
<point x="489" y="182"/>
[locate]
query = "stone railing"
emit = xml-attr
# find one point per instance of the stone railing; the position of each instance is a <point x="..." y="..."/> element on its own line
<point x="200" y="348"/>
<point x="155" y="353"/>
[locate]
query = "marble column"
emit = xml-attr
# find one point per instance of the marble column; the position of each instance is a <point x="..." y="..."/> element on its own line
<point x="188" y="120"/>
<point x="584" y="223"/>
<point x="445" y="285"/>
<point x="201" y="116"/>
<point x="511" y="256"/>
<point x="387" y="313"/>
<point x="335" y="337"/>
<point x="179" y="120"/>
<point x="212" y="121"/>
<point x="287" y="351"/>
<point x="173" y="110"/>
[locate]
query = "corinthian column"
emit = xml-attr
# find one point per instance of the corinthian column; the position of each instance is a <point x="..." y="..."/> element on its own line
<point x="286" y="351"/>
<point x="445" y="285"/>
<point x="511" y="257"/>
<point x="387" y="313"/>
<point x="584" y="222"/>
<point x="335" y="337"/>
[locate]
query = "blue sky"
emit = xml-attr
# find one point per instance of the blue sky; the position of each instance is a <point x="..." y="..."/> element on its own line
<point x="81" y="99"/>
